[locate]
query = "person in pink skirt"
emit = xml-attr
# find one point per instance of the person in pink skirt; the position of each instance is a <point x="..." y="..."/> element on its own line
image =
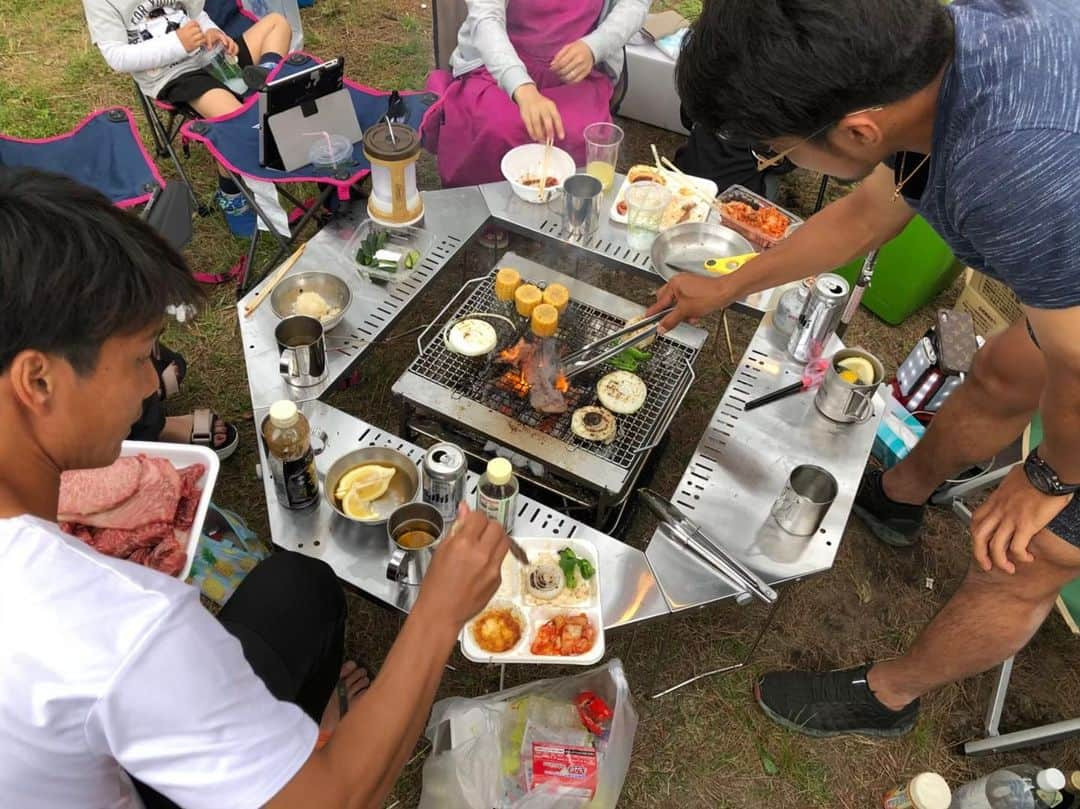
<point x="526" y="70"/>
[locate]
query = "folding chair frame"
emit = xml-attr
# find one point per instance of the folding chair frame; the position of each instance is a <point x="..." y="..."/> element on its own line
<point x="164" y="135"/>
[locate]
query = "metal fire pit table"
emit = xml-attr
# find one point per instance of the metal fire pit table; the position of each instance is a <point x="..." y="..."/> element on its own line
<point x="359" y="555"/>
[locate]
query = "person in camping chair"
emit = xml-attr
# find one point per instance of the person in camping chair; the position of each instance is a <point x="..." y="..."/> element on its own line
<point x="165" y="45"/>
<point x="528" y="70"/>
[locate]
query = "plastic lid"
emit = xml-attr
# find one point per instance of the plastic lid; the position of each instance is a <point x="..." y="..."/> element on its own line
<point x="1051" y="780"/>
<point x="330" y="151"/>
<point x="928" y="790"/>
<point x="499" y="471"/>
<point x="284" y="413"/>
<point x="378" y="143"/>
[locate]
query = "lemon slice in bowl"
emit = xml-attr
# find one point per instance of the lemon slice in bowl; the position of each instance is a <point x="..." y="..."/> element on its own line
<point x="356" y="507"/>
<point x="369" y="482"/>
<point x="861" y="367"/>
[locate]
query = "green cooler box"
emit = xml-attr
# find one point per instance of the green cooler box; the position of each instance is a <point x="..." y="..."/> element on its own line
<point x="911" y="270"/>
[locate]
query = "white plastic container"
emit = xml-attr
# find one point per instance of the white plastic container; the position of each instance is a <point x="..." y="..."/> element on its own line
<point x="181" y="455"/>
<point x="511" y="595"/>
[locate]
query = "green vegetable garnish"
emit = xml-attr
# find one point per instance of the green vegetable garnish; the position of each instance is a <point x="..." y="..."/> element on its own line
<point x="572" y="564"/>
<point x="586" y="568"/>
<point x="411" y="259"/>
<point x="630" y="359"/>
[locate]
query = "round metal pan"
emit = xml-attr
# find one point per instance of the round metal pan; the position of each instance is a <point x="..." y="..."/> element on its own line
<point x="692" y="244"/>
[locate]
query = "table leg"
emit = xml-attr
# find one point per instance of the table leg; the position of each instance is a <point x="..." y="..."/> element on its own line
<point x="502" y="676"/>
<point x="747" y="658"/>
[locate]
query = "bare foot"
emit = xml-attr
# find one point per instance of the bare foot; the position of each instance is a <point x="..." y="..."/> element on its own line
<point x="354" y="681"/>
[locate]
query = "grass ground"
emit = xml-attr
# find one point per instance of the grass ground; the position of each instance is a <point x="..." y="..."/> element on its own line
<point x="709" y="746"/>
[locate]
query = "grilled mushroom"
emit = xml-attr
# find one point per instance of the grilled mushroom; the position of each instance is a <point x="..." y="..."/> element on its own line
<point x="594" y="424"/>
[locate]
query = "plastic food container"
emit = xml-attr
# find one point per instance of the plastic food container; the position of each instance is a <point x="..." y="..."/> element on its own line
<point x="759" y="238"/>
<point x="511" y="595"/>
<point x="181" y="455"/>
<point x="397" y="239"/>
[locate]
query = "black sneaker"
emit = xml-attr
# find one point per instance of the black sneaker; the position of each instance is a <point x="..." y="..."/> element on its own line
<point x="830" y="704"/>
<point x="896" y="524"/>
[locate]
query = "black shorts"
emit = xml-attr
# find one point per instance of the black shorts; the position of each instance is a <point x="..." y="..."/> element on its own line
<point x="187" y="87"/>
<point x="1066" y="524"/>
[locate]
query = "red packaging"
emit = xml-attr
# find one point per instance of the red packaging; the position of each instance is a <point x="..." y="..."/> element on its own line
<point x="563" y="769"/>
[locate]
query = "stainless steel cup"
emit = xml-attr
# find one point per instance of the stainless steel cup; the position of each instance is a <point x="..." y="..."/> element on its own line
<point x="581" y="200"/>
<point x="848" y="402"/>
<point x="302" y="350"/>
<point x="805" y="500"/>
<point x="408" y="565"/>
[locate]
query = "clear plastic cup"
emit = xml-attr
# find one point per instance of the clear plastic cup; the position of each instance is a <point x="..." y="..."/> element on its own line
<point x="226" y="69"/>
<point x="645" y="205"/>
<point x="330" y="151"/>
<point x="602" y="143"/>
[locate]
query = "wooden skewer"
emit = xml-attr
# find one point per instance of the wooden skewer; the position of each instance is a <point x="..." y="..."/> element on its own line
<point x="542" y="192"/>
<point x="275" y="279"/>
<point x="656" y="157"/>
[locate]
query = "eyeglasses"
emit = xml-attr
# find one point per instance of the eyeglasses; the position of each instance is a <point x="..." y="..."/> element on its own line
<point x="767" y="157"/>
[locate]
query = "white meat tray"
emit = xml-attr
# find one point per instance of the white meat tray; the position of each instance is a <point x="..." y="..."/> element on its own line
<point x="511" y="595"/>
<point x="181" y="455"/>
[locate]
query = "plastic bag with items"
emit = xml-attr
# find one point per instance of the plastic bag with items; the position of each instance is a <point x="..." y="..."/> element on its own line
<point x="563" y="743"/>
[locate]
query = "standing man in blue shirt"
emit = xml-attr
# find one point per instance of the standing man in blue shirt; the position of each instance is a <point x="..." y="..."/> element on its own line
<point x="969" y="115"/>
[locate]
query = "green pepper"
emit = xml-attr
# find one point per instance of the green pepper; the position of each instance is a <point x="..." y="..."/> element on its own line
<point x="638" y="354"/>
<point x="586" y="568"/>
<point x="568" y="561"/>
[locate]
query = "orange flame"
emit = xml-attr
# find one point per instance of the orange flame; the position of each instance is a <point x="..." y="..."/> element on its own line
<point x="562" y="384"/>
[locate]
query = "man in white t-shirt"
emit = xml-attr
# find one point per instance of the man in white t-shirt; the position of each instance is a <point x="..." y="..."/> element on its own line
<point x="111" y="671"/>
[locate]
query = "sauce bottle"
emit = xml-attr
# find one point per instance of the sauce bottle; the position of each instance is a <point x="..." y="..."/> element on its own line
<point x="496" y="494"/>
<point x="288" y="449"/>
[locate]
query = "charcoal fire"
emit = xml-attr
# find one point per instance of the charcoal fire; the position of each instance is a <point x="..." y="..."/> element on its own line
<point x="538" y="373"/>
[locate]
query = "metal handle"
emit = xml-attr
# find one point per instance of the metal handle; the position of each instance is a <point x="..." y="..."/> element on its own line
<point x="422" y="341"/>
<point x="285" y="366"/>
<point x="324" y="439"/>
<point x="673" y="408"/>
<point x="396" y="568"/>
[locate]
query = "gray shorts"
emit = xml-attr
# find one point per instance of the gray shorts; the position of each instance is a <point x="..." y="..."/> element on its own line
<point x="1066" y="524"/>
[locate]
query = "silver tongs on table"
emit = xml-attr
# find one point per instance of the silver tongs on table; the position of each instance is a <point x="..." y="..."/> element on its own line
<point x="745" y="581"/>
<point x="613" y="344"/>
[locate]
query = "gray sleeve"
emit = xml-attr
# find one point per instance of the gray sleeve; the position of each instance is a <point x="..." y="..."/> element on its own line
<point x="105" y="22"/>
<point x="1017" y="200"/>
<point x="622" y="22"/>
<point x="487" y="19"/>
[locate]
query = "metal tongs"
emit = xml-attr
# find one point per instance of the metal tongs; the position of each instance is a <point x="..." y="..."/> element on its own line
<point x="604" y="349"/>
<point x="745" y="581"/>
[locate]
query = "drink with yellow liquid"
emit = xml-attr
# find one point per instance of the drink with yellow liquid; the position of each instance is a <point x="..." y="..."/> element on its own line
<point x="603" y="171"/>
<point x="602" y="152"/>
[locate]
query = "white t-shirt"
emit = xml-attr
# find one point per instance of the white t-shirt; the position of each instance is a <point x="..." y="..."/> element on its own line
<point x="108" y="666"/>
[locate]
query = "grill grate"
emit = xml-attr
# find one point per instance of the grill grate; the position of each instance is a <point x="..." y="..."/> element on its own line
<point x="666" y="375"/>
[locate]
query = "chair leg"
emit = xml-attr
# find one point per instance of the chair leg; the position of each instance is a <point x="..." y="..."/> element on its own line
<point x="997" y="697"/>
<point x="1044" y="734"/>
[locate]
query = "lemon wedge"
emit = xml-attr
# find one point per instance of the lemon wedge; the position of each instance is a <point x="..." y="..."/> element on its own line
<point x="849" y="376"/>
<point x="356" y="507"/>
<point x="369" y="482"/>
<point x="862" y="368"/>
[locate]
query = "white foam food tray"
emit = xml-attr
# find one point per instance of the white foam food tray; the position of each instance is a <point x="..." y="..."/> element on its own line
<point x="674" y="182"/>
<point x="181" y="455"/>
<point x="512" y="595"/>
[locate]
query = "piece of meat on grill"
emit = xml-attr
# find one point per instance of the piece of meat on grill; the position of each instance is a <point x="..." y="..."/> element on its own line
<point x="541" y="366"/>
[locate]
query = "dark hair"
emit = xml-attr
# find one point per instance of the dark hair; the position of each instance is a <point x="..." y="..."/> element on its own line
<point x="753" y="70"/>
<point x="75" y="270"/>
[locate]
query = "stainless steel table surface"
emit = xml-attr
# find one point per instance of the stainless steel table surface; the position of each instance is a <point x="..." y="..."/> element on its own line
<point x="451" y="217"/>
<point x="608" y="245"/>
<point x="359" y="555"/>
<point x="739" y="469"/>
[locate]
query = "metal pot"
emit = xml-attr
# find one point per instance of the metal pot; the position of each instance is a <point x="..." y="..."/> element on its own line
<point x="848" y="402"/>
<point x="403" y="488"/>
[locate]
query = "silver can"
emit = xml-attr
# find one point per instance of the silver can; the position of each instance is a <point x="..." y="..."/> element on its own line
<point x="791" y="305"/>
<point x="819" y="318"/>
<point x="443" y="476"/>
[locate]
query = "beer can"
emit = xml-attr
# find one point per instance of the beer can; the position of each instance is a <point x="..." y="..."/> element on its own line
<point x="443" y="474"/>
<point x="819" y="318"/>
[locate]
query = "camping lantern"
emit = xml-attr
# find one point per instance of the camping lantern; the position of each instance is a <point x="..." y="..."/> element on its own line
<point x="393" y="149"/>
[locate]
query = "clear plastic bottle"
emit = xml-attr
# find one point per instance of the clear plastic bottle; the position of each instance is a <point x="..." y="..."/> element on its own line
<point x="288" y="449"/>
<point x="496" y="494"/>
<point x="1019" y="786"/>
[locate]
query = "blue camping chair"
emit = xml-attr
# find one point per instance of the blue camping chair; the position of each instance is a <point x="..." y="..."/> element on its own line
<point x="103" y="151"/>
<point x="233" y="140"/>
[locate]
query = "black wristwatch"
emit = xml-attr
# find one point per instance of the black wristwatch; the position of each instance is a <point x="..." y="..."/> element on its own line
<point x="1043" y="477"/>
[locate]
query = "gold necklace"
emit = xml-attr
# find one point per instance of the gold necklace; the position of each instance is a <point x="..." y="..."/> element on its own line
<point x="903" y="180"/>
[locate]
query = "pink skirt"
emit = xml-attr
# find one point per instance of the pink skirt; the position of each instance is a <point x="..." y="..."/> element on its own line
<point x="475" y="122"/>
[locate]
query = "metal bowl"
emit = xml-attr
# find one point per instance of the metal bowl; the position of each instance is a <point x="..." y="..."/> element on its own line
<point x="403" y="488"/>
<point x="694" y="243"/>
<point x="333" y="290"/>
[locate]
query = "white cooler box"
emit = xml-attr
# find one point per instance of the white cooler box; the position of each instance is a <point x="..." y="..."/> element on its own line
<point x="650" y="95"/>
